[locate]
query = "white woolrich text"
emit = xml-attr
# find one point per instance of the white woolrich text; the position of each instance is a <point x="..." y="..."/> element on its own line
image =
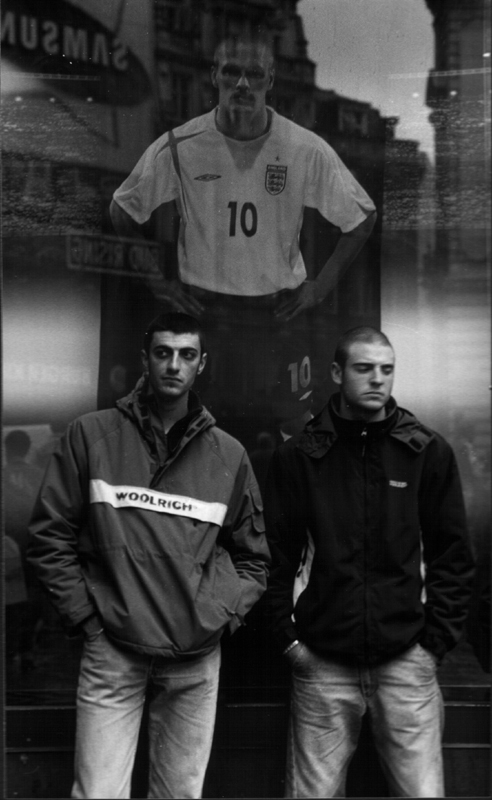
<point x="149" y="499"/>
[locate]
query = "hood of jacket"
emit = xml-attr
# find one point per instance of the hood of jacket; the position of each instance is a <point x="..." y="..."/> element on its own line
<point x="137" y="406"/>
<point x="326" y="427"/>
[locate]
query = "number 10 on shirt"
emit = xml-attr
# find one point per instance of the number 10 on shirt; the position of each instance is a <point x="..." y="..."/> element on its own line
<point x="248" y="218"/>
<point x="300" y="374"/>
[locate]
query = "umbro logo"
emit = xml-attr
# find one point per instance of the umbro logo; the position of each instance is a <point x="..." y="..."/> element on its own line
<point x="398" y="484"/>
<point x="207" y="177"/>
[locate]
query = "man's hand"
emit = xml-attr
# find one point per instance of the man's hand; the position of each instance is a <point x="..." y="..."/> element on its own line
<point x="299" y="657"/>
<point x="314" y="292"/>
<point x="173" y="292"/>
<point x="92" y="626"/>
<point x="308" y="297"/>
<point x="292" y="652"/>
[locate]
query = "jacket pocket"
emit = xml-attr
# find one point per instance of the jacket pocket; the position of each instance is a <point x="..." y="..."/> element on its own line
<point x="220" y="585"/>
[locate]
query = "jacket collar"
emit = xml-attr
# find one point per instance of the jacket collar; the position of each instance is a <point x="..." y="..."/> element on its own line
<point x="136" y="406"/>
<point x="324" y="429"/>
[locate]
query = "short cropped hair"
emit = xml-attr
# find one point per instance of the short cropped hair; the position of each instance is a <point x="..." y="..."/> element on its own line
<point x="257" y="38"/>
<point x="176" y="322"/>
<point x="363" y="333"/>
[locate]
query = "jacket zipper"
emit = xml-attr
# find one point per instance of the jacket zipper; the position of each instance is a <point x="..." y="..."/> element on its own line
<point x="364" y="440"/>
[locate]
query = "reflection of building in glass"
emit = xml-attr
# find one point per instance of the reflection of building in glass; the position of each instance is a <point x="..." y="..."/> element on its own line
<point x="456" y="273"/>
<point x="436" y="254"/>
<point x="72" y="78"/>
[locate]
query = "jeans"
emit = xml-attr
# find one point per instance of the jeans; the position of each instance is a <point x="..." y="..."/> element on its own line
<point x="405" y="707"/>
<point x="113" y="684"/>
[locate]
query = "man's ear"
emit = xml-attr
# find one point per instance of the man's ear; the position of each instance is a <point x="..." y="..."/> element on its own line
<point x="271" y="79"/>
<point x="201" y="366"/>
<point x="336" y="373"/>
<point x="213" y="75"/>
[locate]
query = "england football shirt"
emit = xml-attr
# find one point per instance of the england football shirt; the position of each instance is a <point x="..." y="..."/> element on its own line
<point x="241" y="203"/>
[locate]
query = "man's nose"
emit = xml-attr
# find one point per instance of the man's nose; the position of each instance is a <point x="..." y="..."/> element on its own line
<point x="377" y="376"/>
<point x="243" y="81"/>
<point x="173" y="364"/>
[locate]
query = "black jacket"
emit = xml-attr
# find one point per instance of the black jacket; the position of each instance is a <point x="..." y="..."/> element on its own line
<point x="355" y="513"/>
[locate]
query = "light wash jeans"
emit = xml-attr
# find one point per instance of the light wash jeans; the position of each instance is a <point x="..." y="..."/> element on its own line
<point x="110" y="698"/>
<point x="404" y="703"/>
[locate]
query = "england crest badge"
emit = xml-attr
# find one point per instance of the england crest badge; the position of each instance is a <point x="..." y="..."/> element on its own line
<point x="275" y="178"/>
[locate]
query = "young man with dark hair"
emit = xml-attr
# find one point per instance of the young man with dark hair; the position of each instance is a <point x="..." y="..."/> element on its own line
<point x="148" y="536"/>
<point x="177" y="323"/>
<point x="371" y="574"/>
<point x="241" y="176"/>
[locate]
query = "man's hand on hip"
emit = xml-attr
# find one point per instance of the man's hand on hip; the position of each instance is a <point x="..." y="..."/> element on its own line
<point x="173" y="292"/>
<point x="308" y="297"/>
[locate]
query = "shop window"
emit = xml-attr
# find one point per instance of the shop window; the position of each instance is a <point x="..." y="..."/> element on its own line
<point x="403" y="96"/>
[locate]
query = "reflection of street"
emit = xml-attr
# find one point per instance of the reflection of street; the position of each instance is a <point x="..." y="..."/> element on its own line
<point x="22" y="597"/>
<point x="474" y="465"/>
<point x="56" y="665"/>
<point x="36" y="648"/>
<point x="461" y="668"/>
<point x="40" y="659"/>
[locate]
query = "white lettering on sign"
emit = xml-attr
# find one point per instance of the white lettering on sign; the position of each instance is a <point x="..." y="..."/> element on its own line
<point x="149" y="499"/>
<point x="110" y="254"/>
<point x="78" y="44"/>
<point x="37" y="374"/>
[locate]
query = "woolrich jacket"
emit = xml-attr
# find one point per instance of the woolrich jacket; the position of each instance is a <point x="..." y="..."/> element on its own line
<point x="169" y="554"/>
<point x="368" y="535"/>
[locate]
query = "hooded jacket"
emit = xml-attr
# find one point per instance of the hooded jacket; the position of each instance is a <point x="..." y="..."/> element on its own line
<point x="357" y="514"/>
<point x="168" y="555"/>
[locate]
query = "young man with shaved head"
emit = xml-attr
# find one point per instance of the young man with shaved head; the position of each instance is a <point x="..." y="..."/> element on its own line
<point x="148" y="536"/>
<point x="241" y="176"/>
<point x="370" y="578"/>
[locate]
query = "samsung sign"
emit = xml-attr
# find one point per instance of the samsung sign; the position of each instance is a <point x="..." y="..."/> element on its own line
<point x="65" y="46"/>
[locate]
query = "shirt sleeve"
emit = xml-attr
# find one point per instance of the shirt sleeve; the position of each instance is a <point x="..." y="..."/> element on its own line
<point x="334" y="192"/>
<point x="153" y="181"/>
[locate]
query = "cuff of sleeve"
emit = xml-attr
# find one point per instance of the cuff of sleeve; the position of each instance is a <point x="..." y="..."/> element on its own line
<point x="234" y="623"/>
<point x="287" y="637"/>
<point x="291" y="647"/>
<point x="90" y="625"/>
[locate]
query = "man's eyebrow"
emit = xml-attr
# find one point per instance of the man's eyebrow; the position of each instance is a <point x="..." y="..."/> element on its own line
<point x="186" y="349"/>
<point x="373" y="364"/>
<point x="232" y="65"/>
